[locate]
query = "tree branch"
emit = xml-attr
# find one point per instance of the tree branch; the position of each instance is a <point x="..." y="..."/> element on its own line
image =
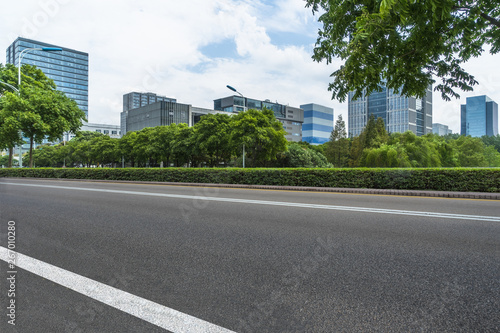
<point x="492" y="20"/>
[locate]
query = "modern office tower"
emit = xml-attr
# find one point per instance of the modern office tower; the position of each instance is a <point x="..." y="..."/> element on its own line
<point x="400" y="113"/>
<point x="68" y="68"/>
<point x="479" y="116"/>
<point x="318" y="123"/>
<point x="291" y="118"/>
<point x="441" y="129"/>
<point x="135" y="100"/>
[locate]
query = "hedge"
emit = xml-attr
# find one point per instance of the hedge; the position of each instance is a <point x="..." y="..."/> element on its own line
<point x="438" y="179"/>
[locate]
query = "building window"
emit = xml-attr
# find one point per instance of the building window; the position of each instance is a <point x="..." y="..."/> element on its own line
<point x="291" y="116"/>
<point x="98" y="131"/>
<point x="106" y="131"/>
<point x="114" y="132"/>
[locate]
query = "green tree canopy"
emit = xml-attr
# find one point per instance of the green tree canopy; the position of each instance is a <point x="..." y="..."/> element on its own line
<point x="402" y="44"/>
<point x="212" y="134"/>
<point x="262" y="134"/>
<point x="41" y="111"/>
<point x="337" y="149"/>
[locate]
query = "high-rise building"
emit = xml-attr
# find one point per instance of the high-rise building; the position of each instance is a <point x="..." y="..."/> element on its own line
<point x="135" y="100"/>
<point x="68" y="68"/>
<point x="479" y="116"/>
<point x="441" y="129"/>
<point x="318" y="123"/>
<point x="291" y="118"/>
<point x="400" y="113"/>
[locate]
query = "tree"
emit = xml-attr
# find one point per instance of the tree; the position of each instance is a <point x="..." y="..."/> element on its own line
<point x="42" y="111"/>
<point x="372" y="136"/>
<point x="182" y="146"/>
<point x="9" y="122"/>
<point x="300" y="155"/>
<point x="470" y="152"/>
<point x="9" y="128"/>
<point x="402" y="44"/>
<point x="491" y="140"/>
<point x="126" y="147"/>
<point x="261" y="133"/>
<point x="337" y="149"/>
<point x="212" y="135"/>
<point x="143" y="149"/>
<point x="386" y="156"/>
<point x="104" y="150"/>
<point x="4" y="161"/>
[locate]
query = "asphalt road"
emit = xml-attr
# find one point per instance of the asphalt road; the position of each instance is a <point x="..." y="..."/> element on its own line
<point x="253" y="260"/>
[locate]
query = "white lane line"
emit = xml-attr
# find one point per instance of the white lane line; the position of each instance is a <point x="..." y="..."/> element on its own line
<point x="278" y="203"/>
<point x="149" y="311"/>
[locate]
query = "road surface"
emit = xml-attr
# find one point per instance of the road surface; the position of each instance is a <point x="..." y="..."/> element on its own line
<point x="115" y="257"/>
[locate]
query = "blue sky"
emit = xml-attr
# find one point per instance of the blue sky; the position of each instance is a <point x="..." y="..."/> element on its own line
<point x="190" y="50"/>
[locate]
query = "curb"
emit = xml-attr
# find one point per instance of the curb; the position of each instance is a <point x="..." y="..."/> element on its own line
<point x="415" y="193"/>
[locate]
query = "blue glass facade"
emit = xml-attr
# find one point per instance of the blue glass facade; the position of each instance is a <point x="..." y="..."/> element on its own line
<point x="318" y="123"/>
<point x="441" y="129"/>
<point x="68" y="68"/>
<point x="479" y="116"/>
<point x="400" y="113"/>
<point x="377" y="104"/>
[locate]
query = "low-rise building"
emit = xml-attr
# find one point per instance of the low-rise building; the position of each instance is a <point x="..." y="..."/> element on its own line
<point x="292" y="118"/>
<point x="441" y="129"/>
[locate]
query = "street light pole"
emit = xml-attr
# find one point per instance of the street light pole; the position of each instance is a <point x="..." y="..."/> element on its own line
<point x="24" y="52"/>
<point x="20" y="59"/>
<point x="244" y="108"/>
<point x="10" y="86"/>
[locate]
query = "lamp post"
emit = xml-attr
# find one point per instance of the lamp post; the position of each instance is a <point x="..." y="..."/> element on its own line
<point x="20" y="59"/>
<point x="10" y="86"/>
<point x="24" y="52"/>
<point x="244" y="107"/>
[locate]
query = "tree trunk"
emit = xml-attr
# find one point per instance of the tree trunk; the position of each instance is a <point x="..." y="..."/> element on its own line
<point x="31" y="152"/>
<point x="11" y="155"/>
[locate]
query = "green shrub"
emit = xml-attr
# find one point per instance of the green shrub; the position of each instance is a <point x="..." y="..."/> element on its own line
<point x="438" y="179"/>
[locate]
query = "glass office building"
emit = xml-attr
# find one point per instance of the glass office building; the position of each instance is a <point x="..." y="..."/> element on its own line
<point x="400" y="113"/>
<point x="479" y="116"/>
<point x="68" y="68"/>
<point x="441" y="129"/>
<point x="318" y="123"/>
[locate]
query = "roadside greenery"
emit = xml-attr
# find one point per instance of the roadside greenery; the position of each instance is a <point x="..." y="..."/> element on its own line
<point x="212" y="143"/>
<point x="374" y="147"/>
<point x="437" y="179"/>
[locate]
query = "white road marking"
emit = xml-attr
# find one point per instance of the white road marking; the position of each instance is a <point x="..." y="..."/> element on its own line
<point x="278" y="203"/>
<point x="149" y="311"/>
